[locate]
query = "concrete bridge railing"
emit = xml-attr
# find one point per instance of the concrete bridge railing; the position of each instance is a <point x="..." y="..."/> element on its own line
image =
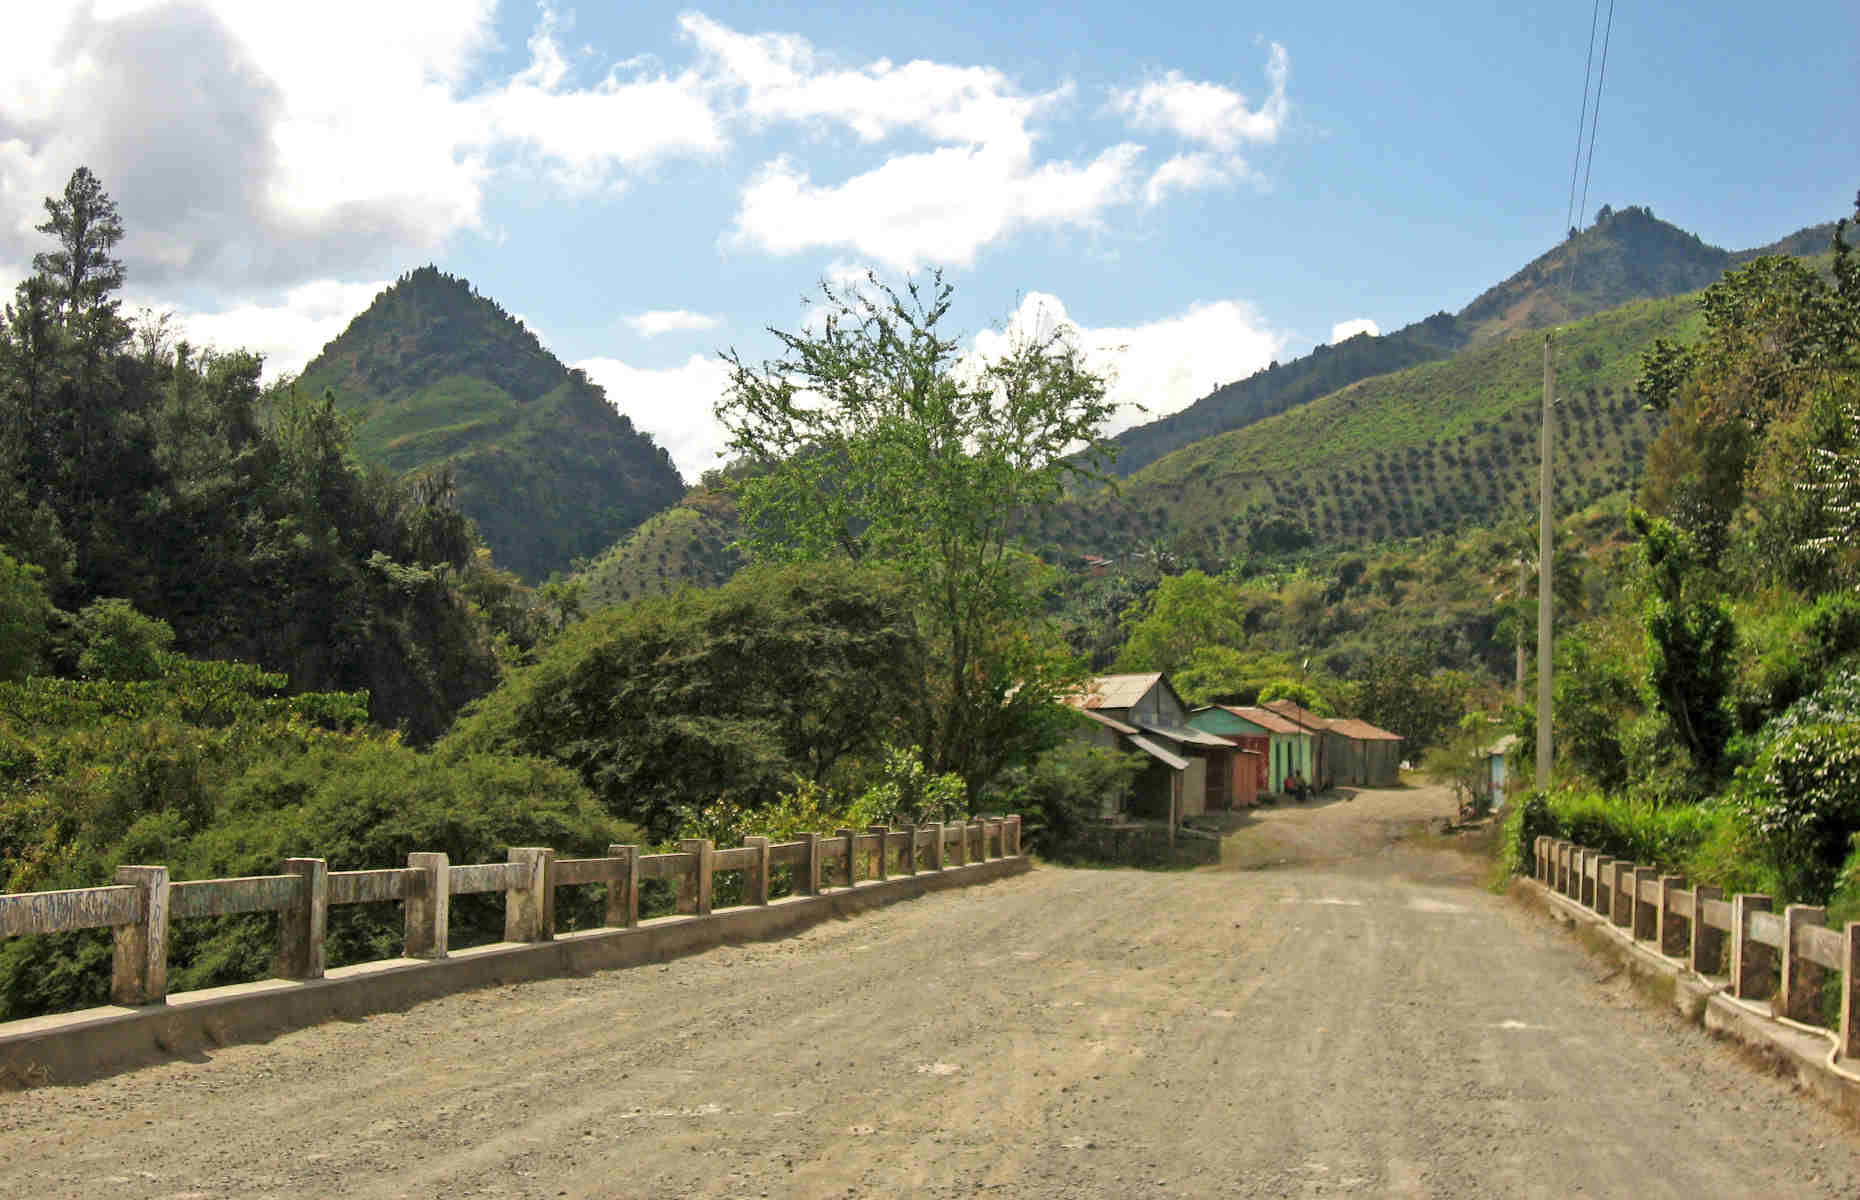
<point x="143" y="902"/>
<point x="1784" y="957"/>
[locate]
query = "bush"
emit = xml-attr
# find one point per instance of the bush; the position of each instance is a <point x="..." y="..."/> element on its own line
<point x="1802" y="800"/>
<point x="1064" y="788"/>
<point x="1669" y="838"/>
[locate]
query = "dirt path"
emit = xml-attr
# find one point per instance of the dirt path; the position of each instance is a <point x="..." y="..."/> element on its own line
<point x="1376" y="1025"/>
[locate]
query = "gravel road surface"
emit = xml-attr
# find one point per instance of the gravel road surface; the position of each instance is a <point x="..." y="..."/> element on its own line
<point x="1358" y="1017"/>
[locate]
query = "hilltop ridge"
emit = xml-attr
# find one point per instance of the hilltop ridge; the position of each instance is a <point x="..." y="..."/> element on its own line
<point x="1627" y="255"/>
<point x="432" y="373"/>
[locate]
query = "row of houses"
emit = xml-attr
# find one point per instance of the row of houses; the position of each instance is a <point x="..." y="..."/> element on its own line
<point x="1223" y="756"/>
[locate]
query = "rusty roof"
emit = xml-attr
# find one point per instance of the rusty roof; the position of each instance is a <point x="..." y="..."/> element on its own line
<point x="1266" y="719"/>
<point x="1114" y="691"/>
<point x="1109" y="722"/>
<point x="1362" y="731"/>
<point x="1292" y="711"/>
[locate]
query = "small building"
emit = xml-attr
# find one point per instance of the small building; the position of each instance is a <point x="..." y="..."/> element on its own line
<point x="1287" y="745"/>
<point x="1362" y="755"/>
<point x="1499" y="778"/>
<point x="1321" y="774"/>
<point x="1144" y="713"/>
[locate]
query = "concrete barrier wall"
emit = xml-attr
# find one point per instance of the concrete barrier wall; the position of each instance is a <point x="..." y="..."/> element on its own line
<point x="145" y="1022"/>
<point x="1785" y="958"/>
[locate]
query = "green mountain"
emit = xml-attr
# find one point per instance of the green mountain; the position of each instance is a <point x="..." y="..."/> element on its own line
<point x="1434" y="447"/>
<point x="432" y="374"/>
<point x="1625" y="256"/>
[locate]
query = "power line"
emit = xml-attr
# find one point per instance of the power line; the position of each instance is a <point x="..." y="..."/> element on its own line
<point x="1601" y="79"/>
<point x="1582" y="116"/>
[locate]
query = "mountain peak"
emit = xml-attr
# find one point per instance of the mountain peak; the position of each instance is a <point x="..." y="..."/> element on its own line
<point x="433" y="372"/>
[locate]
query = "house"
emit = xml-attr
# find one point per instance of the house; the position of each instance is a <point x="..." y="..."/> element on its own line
<point x="1287" y="744"/>
<point x="1361" y="755"/>
<point x="1144" y="713"/>
<point x="1499" y="778"/>
<point x="1320" y="772"/>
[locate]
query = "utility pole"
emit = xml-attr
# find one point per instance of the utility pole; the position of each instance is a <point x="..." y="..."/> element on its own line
<point x="1544" y="597"/>
<point x="1517" y="685"/>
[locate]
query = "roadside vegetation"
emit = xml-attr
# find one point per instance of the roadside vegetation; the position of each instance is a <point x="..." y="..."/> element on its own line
<point x="1707" y="710"/>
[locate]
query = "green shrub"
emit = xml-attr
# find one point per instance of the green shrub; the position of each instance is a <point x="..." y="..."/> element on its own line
<point x="1064" y="788"/>
<point x="1802" y="800"/>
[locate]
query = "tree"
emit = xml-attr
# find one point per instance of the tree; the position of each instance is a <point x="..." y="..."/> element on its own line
<point x="716" y="698"/>
<point x="874" y="439"/>
<point x="1184" y="614"/>
<point x="81" y="271"/>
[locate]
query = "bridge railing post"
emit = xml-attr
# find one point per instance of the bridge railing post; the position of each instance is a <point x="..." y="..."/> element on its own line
<point x="961" y="857"/>
<point x="807" y="871"/>
<point x="303" y="927"/>
<point x="694" y="889"/>
<point x="1800" y="994"/>
<point x="1706" y="955"/>
<point x="428" y="906"/>
<point x="1850" y="990"/>
<point x="908" y="864"/>
<point x="529" y="908"/>
<point x="881" y="864"/>
<point x="1646" y="912"/>
<point x="756" y="879"/>
<point x="139" y="967"/>
<point x="1621" y="910"/>
<point x="938" y="850"/>
<point x="1014" y="834"/>
<point x="849" y="861"/>
<point x="1673" y="931"/>
<point x="1751" y="960"/>
<point x="1602" y="888"/>
<point x="623" y="889"/>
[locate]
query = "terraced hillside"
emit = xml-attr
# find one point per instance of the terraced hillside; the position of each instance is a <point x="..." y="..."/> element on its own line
<point x="434" y="374"/>
<point x="1434" y="447"/>
<point x="1625" y="256"/>
<point x="688" y="543"/>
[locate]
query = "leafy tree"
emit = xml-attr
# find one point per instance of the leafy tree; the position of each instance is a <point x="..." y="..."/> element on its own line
<point x="873" y="439"/>
<point x="1301" y="694"/>
<point x="1184" y="614"/>
<point x="1690" y="641"/>
<point x="1402" y="690"/>
<point x="25" y="617"/>
<point x="1224" y="675"/>
<point x="718" y="697"/>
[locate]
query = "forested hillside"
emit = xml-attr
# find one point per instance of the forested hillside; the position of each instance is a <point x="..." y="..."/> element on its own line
<point x="1433" y="448"/>
<point x="433" y="373"/>
<point x="1626" y="255"/>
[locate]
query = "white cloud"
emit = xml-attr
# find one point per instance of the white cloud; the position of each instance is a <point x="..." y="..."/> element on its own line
<point x="289" y="333"/>
<point x="1344" y="330"/>
<point x="1184" y="173"/>
<point x="256" y="146"/>
<point x="671" y="320"/>
<point x="674" y="404"/>
<point x="940" y="206"/>
<point x="1208" y="113"/>
<point x="783" y="77"/>
<point x="1161" y="366"/>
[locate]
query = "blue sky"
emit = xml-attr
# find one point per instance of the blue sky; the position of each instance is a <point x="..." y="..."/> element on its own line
<point x="1206" y="188"/>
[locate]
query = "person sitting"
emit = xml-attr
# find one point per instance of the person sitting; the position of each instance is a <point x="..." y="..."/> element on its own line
<point x="1296" y="787"/>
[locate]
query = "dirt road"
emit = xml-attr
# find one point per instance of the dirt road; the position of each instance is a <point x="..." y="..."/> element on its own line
<point x="1370" y="1023"/>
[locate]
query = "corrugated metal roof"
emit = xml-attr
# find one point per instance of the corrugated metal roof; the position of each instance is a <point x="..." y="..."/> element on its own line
<point x="1154" y="751"/>
<point x="1362" y="731"/>
<point x="1115" y="691"/>
<point x="1192" y="737"/>
<point x="1294" y="712"/>
<point x="1266" y="719"/>
<point x="1108" y="722"/>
